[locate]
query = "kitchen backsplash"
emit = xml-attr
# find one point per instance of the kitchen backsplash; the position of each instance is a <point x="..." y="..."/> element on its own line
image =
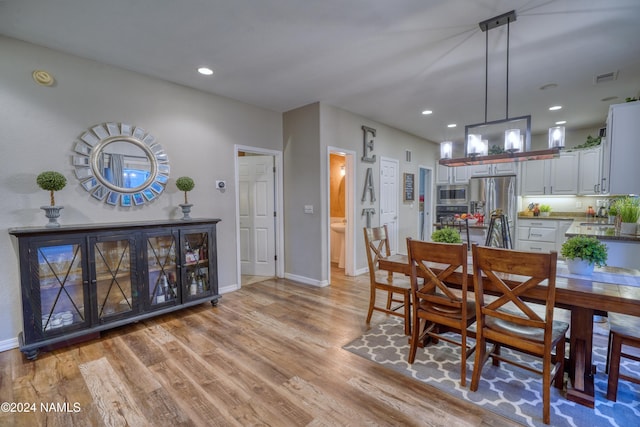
<point x="565" y="204"/>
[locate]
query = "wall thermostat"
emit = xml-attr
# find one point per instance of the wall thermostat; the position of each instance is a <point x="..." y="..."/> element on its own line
<point x="221" y="185"/>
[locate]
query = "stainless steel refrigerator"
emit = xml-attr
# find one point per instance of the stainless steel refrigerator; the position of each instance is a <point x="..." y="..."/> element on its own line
<point x="488" y="194"/>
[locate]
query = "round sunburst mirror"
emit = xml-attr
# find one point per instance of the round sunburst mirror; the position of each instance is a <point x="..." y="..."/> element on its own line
<point x="121" y="164"/>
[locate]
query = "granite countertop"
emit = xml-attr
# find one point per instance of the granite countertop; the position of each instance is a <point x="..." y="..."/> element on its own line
<point x="600" y="229"/>
<point x="552" y="217"/>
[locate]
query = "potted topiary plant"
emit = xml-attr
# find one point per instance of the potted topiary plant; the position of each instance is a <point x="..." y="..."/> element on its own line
<point x="446" y="235"/>
<point x="186" y="184"/>
<point x="51" y="181"/>
<point x="545" y="210"/>
<point x="583" y="253"/>
<point x="628" y="209"/>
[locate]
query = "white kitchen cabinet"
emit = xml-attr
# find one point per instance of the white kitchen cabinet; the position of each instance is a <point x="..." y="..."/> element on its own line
<point x="541" y="235"/>
<point x="535" y="177"/>
<point x="564" y="173"/>
<point x="590" y="171"/>
<point x="621" y="174"/>
<point x="451" y="175"/>
<point x="493" y="169"/>
<point x="555" y="176"/>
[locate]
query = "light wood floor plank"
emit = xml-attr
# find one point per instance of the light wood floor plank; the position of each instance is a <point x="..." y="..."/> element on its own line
<point x="268" y="354"/>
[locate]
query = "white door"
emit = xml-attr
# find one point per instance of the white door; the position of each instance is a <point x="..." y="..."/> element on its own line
<point x="256" y="211"/>
<point x="389" y="199"/>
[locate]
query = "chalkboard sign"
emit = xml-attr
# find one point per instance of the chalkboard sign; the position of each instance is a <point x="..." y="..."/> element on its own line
<point x="408" y="187"/>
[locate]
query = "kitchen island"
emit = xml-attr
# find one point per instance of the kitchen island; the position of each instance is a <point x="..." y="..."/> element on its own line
<point x="623" y="249"/>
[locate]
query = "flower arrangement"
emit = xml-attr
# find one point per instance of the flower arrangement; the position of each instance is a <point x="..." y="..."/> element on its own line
<point x="586" y="248"/>
<point x="186" y="184"/>
<point x="446" y="235"/>
<point x="51" y="181"/>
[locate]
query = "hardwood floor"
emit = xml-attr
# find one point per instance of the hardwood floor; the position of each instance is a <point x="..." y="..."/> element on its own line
<point x="268" y="354"/>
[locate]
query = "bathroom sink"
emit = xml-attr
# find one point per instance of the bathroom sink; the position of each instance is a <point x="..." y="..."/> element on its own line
<point x="338" y="227"/>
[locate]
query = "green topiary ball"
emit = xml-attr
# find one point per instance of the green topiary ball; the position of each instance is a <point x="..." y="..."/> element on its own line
<point x="51" y="181"/>
<point x="184" y="183"/>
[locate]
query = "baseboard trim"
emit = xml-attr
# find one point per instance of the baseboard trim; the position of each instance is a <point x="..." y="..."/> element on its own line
<point x="306" y="280"/>
<point x="9" y="344"/>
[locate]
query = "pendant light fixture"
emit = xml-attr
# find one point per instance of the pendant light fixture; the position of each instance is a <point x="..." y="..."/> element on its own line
<point x="512" y="136"/>
<point x="556" y="137"/>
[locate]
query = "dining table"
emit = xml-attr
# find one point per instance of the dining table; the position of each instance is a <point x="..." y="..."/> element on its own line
<point x="583" y="296"/>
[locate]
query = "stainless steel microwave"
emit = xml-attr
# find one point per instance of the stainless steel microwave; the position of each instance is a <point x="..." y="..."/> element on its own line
<point x="452" y="194"/>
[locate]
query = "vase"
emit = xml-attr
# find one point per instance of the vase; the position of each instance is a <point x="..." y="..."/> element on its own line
<point x="545" y="213"/>
<point x="53" y="213"/>
<point x="580" y="266"/>
<point x="628" y="228"/>
<point x="186" y="210"/>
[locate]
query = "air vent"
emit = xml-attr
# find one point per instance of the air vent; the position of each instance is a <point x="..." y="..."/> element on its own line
<point x="606" y="77"/>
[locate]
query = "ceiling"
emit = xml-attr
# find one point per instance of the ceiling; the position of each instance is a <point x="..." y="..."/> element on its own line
<point x="387" y="60"/>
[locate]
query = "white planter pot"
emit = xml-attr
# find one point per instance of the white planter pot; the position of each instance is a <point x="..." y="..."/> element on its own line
<point x="628" y="228"/>
<point x="580" y="266"/>
<point x="545" y="213"/>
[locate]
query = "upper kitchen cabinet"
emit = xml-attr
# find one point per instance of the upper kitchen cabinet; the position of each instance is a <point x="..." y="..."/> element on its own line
<point x="493" y="169"/>
<point x="590" y="175"/>
<point x="451" y="175"/>
<point x="621" y="150"/>
<point x="547" y="177"/>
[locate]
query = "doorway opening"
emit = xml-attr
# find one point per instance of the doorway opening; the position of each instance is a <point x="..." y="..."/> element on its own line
<point x="341" y="210"/>
<point x="258" y="219"/>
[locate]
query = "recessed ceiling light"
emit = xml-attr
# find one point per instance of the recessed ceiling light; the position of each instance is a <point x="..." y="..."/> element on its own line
<point x="561" y="122"/>
<point x="205" y="71"/>
<point x="452" y="125"/>
<point x="555" y="107"/>
<point x="609" y="98"/>
<point x="548" y="86"/>
<point x="427" y="112"/>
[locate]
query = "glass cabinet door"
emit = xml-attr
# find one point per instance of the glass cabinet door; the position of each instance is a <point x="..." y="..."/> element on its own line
<point x="62" y="294"/>
<point x="195" y="246"/>
<point x="115" y="285"/>
<point x="162" y="269"/>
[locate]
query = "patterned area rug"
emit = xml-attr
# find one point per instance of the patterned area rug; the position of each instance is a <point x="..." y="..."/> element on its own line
<point x="508" y="390"/>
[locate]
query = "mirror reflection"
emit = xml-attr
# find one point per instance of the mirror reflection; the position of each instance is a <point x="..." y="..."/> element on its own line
<point x="123" y="164"/>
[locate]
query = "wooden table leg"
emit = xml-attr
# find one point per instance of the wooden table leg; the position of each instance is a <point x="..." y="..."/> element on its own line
<point x="580" y="389"/>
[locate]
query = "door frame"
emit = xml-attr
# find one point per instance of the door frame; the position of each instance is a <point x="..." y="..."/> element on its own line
<point x="278" y="189"/>
<point x="428" y="191"/>
<point x="350" y="210"/>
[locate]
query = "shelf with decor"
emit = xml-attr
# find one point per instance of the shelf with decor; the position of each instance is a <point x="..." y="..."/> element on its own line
<point x="80" y="280"/>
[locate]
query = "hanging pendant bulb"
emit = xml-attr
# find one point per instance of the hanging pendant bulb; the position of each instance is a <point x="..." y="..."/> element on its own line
<point x="512" y="140"/>
<point x="556" y="137"/>
<point x="446" y="149"/>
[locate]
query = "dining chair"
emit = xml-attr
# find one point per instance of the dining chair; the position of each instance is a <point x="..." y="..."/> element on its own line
<point x="623" y="330"/>
<point x="509" y="321"/>
<point x="396" y="286"/>
<point x="438" y="308"/>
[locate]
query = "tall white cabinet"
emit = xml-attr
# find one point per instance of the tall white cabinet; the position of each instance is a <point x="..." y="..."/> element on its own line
<point x="622" y="150"/>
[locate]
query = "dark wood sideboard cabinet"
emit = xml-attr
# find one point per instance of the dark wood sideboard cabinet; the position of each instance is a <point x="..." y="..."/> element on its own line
<point x="79" y="280"/>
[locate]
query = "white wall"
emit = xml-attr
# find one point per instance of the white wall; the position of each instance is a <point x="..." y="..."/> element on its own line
<point x="40" y="125"/>
<point x="340" y="128"/>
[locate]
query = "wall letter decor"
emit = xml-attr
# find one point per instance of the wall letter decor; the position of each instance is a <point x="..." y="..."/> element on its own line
<point x="368" y="144"/>
<point x="368" y="185"/>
